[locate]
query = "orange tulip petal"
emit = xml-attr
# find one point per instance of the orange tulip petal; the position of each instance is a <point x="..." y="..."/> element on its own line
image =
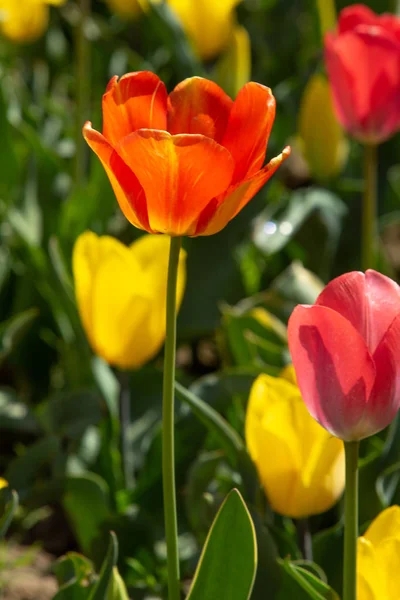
<point x="136" y="101"/>
<point x="222" y="210"/>
<point x="248" y="129"/>
<point x="179" y="174"/>
<point x="129" y="193"/>
<point x="199" y="106"/>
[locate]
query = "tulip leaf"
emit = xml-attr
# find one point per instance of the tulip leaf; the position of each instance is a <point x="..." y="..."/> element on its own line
<point x="229" y="438"/>
<point x="75" y="576"/>
<point x="303" y="584"/>
<point x="117" y="589"/>
<point x="87" y="504"/>
<point x="9" y="512"/>
<point x="228" y="563"/>
<point x="12" y="330"/>
<point x="273" y="231"/>
<point x="101" y="588"/>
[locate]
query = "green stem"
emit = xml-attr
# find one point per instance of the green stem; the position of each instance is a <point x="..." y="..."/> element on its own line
<point x="369" y="210"/>
<point x="168" y="442"/>
<point x="304" y="538"/>
<point x="350" y="522"/>
<point x="125" y="421"/>
<point x="82" y="51"/>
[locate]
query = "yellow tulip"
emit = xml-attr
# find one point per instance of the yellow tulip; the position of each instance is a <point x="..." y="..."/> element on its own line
<point x="233" y="69"/>
<point x="127" y="8"/>
<point x="322" y="140"/>
<point x="121" y="295"/>
<point x="300" y="465"/>
<point x="208" y="23"/>
<point x="378" y="558"/>
<point x="25" y="20"/>
<point x="3" y="483"/>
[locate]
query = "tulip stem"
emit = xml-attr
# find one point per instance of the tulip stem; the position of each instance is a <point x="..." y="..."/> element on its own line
<point x="350" y="522"/>
<point x="82" y="50"/>
<point x="369" y="210"/>
<point x="125" y="420"/>
<point x="168" y="442"/>
<point x="304" y="538"/>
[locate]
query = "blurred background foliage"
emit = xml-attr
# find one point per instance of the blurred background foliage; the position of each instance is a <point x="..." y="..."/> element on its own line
<point x="59" y="426"/>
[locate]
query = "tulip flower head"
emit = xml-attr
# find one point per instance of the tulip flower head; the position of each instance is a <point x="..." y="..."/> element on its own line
<point x="121" y="295"/>
<point x="300" y="465"/>
<point x="345" y="350"/>
<point x="208" y="24"/>
<point x="187" y="163"/>
<point x="25" y="21"/>
<point x="363" y="63"/>
<point x="3" y="483"/>
<point x="321" y="137"/>
<point x="378" y="558"/>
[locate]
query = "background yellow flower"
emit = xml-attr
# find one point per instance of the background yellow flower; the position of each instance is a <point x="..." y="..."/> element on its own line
<point x="300" y="465"/>
<point x="121" y="295"/>
<point x="378" y="558"/>
<point x="25" y="21"/>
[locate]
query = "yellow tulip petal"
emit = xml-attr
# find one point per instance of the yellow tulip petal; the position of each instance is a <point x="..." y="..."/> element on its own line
<point x="23" y="22"/>
<point x="118" y="310"/>
<point x="300" y="465"/>
<point x="289" y="374"/>
<point x="233" y="69"/>
<point x="388" y="553"/>
<point x="387" y="524"/>
<point x="126" y="8"/>
<point x="3" y="483"/>
<point x="323" y="142"/>
<point x="209" y="24"/>
<point x="121" y="295"/>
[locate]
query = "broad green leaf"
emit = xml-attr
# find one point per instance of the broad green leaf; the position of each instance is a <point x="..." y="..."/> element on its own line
<point x="101" y="588"/>
<point x="228" y="563"/>
<point x="69" y="414"/>
<point x="74" y="566"/>
<point x="87" y="504"/>
<point x="10" y="509"/>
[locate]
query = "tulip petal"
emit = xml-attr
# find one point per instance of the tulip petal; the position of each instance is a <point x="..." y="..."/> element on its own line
<point x="152" y="252"/>
<point x="179" y="174"/>
<point x="198" y="105"/>
<point x="363" y="67"/>
<point x="357" y="14"/>
<point x="135" y="101"/>
<point x="127" y="189"/>
<point x="387" y="523"/>
<point x="222" y="210"/>
<point x="370" y="302"/>
<point x="384" y="401"/>
<point x="248" y="129"/>
<point x="334" y="369"/>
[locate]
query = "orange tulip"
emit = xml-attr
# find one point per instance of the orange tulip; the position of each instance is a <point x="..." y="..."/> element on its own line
<point x="187" y="163"/>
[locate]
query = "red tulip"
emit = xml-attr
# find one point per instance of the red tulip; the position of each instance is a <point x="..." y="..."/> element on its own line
<point x="346" y="354"/>
<point x="187" y="163"/>
<point x="363" y="63"/>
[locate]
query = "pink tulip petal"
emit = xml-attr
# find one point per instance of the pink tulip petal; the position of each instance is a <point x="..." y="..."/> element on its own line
<point x="384" y="401"/>
<point x="369" y="302"/>
<point x="334" y="369"/>
<point x="354" y="15"/>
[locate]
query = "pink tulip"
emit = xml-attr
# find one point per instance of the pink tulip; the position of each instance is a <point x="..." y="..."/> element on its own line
<point x="363" y="64"/>
<point x="346" y="354"/>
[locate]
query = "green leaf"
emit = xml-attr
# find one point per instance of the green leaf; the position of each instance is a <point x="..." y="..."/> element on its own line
<point x="229" y="438"/>
<point x="307" y="585"/>
<point x="12" y="330"/>
<point x="23" y="469"/>
<point x="9" y="512"/>
<point x="86" y="501"/>
<point x="69" y="414"/>
<point x="228" y="563"/>
<point x="99" y="592"/>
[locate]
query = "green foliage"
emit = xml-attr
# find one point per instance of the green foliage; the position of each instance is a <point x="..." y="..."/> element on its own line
<point x="227" y="566"/>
